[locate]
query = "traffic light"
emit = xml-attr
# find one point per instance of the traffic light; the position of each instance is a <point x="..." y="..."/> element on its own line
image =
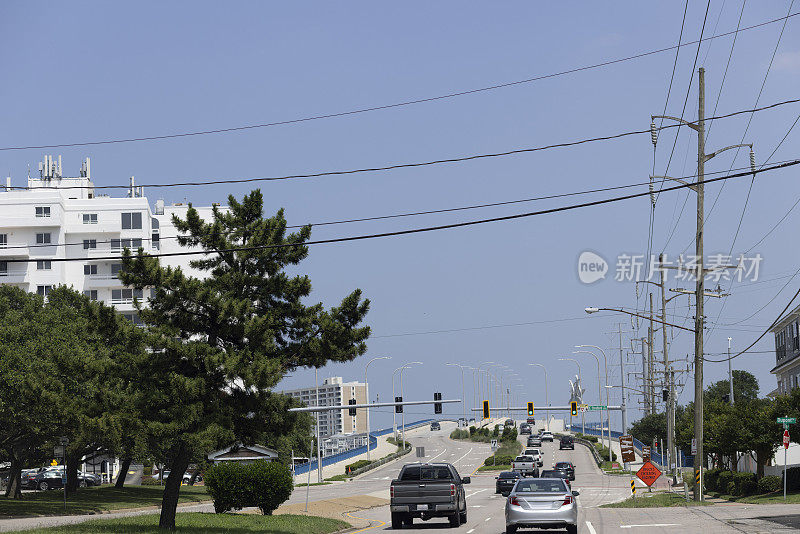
<point x="486" y="413"/>
<point x="530" y="409"/>
<point x="437" y="406"/>
<point x="665" y="394"/>
<point x="351" y="411"/>
<point x="399" y="407"/>
<point x="573" y="408"/>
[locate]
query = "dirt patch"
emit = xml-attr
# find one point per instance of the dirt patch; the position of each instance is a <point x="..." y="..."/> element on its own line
<point x="336" y="508"/>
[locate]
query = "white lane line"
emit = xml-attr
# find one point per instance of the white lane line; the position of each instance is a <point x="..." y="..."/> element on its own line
<point x="477" y="491"/>
<point x="651" y="525"/>
<point x="441" y="453"/>
<point x="591" y="528"/>
<point x="487" y="519"/>
<point x="469" y="451"/>
<point x="470" y="531"/>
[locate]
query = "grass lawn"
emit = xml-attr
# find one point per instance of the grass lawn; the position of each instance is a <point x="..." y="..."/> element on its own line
<point x="654" y="500"/>
<point x="312" y="484"/>
<point x="769" y="498"/>
<point x="196" y="522"/>
<point x="93" y="500"/>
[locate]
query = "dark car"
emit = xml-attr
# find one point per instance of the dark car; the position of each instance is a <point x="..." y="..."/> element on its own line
<point x="531" y="421"/>
<point x="524" y="428"/>
<point x="567" y="467"/>
<point x="505" y="482"/>
<point x="534" y="441"/>
<point x="566" y="442"/>
<point x="426" y="491"/>
<point x="555" y="473"/>
<point x="28" y="478"/>
<point x="510" y="422"/>
<point x="436" y="426"/>
<point x="49" y="479"/>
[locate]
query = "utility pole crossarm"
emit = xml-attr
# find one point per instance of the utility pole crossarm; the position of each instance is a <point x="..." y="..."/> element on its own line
<point x="679" y="180"/>
<point x="691" y="125"/>
<point x="721" y="150"/>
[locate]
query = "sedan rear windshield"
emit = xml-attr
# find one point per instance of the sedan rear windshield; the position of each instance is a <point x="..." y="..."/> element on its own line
<point x="509" y="474"/>
<point x="563" y="465"/>
<point x="553" y="474"/>
<point x="540" y="486"/>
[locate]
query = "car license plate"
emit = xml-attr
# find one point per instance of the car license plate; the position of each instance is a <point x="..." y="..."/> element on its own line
<point x="422" y="507"/>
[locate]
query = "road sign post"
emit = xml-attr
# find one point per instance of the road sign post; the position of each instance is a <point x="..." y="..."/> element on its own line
<point x="786" y="421"/>
<point x="494" y="452"/>
<point x="648" y="474"/>
<point x="626" y="447"/>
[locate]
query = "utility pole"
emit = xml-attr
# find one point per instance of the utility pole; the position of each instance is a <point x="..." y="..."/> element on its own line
<point x="730" y="370"/>
<point x="645" y="391"/>
<point x="667" y="374"/>
<point x="622" y="382"/>
<point x="651" y="354"/>
<point x="700" y="272"/>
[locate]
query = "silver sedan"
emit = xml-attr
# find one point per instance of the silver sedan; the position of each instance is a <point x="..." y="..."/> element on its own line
<point x="542" y="503"/>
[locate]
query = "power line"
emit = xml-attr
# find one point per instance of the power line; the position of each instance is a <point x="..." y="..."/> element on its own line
<point x="485" y="327"/>
<point x="420" y="230"/>
<point x="393" y="105"/>
<point x="408" y="165"/>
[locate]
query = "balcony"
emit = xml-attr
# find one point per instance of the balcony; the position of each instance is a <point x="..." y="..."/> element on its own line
<point x="15" y="250"/>
<point x="31" y="221"/>
<point x="93" y="281"/>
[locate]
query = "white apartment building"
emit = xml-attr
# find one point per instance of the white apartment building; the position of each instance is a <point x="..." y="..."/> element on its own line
<point x="62" y="217"/>
<point x="334" y="392"/>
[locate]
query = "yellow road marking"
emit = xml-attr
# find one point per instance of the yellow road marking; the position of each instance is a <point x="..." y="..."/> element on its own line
<point x="370" y="527"/>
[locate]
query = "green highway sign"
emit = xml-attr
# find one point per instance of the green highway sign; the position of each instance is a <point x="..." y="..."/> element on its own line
<point x="787" y="420"/>
<point x="597" y="408"/>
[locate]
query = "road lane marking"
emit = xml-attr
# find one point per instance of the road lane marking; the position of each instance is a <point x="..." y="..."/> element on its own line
<point x="370" y="527"/>
<point x="591" y="528"/>
<point x="651" y="525"/>
<point x="470" y="531"/>
<point x="469" y="451"/>
<point x="477" y="491"/>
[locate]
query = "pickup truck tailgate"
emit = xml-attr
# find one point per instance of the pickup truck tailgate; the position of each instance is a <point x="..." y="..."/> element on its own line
<point x="427" y="491"/>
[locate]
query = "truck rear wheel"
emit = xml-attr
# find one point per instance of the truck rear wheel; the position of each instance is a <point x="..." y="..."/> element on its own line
<point x="397" y="520"/>
<point x="455" y="519"/>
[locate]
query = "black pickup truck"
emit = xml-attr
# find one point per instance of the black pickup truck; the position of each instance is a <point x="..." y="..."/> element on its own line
<point x="426" y="491"/>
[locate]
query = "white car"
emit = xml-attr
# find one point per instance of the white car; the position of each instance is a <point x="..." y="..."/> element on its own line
<point x="547" y="436"/>
<point x="536" y="454"/>
<point x="542" y="503"/>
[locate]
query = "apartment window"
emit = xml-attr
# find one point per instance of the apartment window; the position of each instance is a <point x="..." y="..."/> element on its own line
<point x="115" y="268"/>
<point x="89" y="218"/>
<point x="90" y="269"/>
<point x="156" y="241"/>
<point x="118" y="244"/>
<point x="3" y="240"/>
<point x="89" y="243"/>
<point x="91" y="293"/>
<point x="131" y="221"/>
<point x="43" y="238"/>
<point x="126" y="294"/>
<point x="43" y="211"/>
<point x="43" y="265"/>
<point x="43" y="290"/>
<point x="3" y="268"/>
<point x="134" y="318"/>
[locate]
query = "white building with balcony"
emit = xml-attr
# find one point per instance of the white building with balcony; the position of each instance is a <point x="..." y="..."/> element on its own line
<point x="58" y="217"/>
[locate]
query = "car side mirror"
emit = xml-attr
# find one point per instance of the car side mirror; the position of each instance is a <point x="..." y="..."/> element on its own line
<point x="465" y="480"/>
<point x="576" y="493"/>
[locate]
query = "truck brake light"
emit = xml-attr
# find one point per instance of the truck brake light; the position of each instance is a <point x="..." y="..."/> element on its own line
<point x="452" y="490"/>
<point x="391" y="492"/>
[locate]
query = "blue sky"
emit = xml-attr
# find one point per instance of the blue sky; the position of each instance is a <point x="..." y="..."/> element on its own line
<point x="96" y="70"/>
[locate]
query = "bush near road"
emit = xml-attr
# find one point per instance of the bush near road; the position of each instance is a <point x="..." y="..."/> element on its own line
<point x="234" y="486"/>
<point x="203" y="523"/>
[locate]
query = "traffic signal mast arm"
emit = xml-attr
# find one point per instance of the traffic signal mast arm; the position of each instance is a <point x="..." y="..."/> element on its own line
<point x="374" y="405"/>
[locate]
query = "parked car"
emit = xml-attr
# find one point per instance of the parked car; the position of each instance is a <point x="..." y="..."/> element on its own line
<point x="547" y="436"/>
<point x="542" y="503"/>
<point x="566" y="466"/>
<point x="555" y="473"/>
<point x="426" y="491"/>
<point x="566" y="442"/>
<point x="524" y="428"/>
<point x="49" y="479"/>
<point x="434" y="426"/>
<point x="28" y="478"/>
<point x="505" y="482"/>
<point x="534" y="441"/>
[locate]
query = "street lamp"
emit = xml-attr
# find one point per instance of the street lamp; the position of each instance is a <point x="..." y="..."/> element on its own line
<point x="599" y="391"/>
<point x="366" y="388"/>
<point x="580" y="380"/>
<point x="592" y="310"/>
<point x="546" y="395"/>
<point x="403" y="418"/>
<point x="463" y="391"/>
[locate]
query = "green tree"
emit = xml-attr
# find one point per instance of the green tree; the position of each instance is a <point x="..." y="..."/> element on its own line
<point x="650" y="427"/>
<point x="745" y="387"/>
<point x="222" y="341"/>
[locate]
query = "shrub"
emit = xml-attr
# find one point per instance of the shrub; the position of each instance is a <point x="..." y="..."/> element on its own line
<point x="711" y="479"/>
<point x="724" y="479"/>
<point x="731" y="488"/>
<point x="501" y="459"/>
<point x="349" y="468"/>
<point x="263" y="484"/>
<point x="770" y="484"/>
<point x="510" y="434"/>
<point x="496" y="431"/>
<point x="459" y="433"/>
<point x="150" y="481"/>
<point x="792" y="478"/>
<point x="745" y="484"/>
<point x="472" y="430"/>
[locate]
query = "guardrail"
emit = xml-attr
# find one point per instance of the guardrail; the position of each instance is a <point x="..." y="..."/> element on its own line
<point x="346" y="455"/>
<point x="591" y="447"/>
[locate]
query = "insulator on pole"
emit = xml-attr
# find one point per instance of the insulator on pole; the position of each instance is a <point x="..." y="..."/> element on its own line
<point x="752" y="160"/>
<point x="652" y="196"/>
<point x="653" y="133"/>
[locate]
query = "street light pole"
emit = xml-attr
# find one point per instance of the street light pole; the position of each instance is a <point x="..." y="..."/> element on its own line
<point x="403" y="418"/>
<point x="366" y="389"/>
<point x="463" y="391"/>
<point x="599" y="395"/>
<point x="546" y="396"/>
<point x="319" y="446"/>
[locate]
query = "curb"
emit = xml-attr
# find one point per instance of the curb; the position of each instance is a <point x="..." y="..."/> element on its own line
<point x="103" y="512"/>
